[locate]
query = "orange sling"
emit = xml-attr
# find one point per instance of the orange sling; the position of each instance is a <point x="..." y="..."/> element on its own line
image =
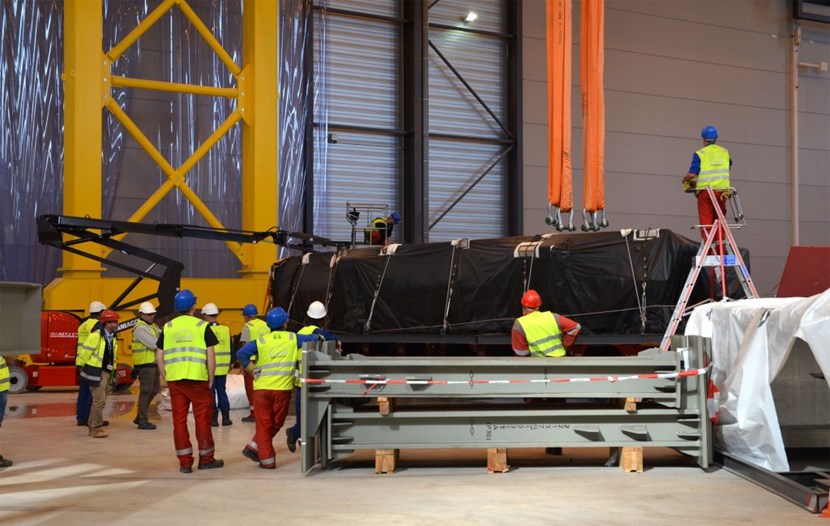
<point x="593" y="108"/>
<point x="558" y="30"/>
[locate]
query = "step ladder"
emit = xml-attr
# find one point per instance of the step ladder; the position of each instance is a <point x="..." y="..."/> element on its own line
<point x="719" y="235"/>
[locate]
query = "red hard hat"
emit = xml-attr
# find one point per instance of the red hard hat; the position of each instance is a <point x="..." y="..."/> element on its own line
<point x="109" y="315"/>
<point x="531" y="299"/>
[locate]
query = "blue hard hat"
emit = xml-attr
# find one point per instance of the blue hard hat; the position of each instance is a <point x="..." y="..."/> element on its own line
<point x="249" y="310"/>
<point x="709" y="133"/>
<point x="396" y="216"/>
<point x="276" y="317"/>
<point x="184" y="300"/>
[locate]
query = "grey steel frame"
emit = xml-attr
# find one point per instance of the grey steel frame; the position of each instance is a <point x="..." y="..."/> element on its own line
<point x="503" y="402"/>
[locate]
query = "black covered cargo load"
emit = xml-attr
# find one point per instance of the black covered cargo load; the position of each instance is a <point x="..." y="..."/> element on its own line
<point x="612" y="282"/>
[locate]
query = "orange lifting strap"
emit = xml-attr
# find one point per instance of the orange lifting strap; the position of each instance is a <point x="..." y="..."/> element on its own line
<point x="559" y="43"/>
<point x="560" y="189"/>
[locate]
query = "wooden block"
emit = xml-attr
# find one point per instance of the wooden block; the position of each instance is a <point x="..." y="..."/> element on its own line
<point x="497" y="460"/>
<point x="629" y="404"/>
<point x="631" y="459"/>
<point x="385" y="405"/>
<point x="386" y="460"/>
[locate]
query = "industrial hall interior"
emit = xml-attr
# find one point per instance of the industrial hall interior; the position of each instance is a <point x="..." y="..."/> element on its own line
<point x="407" y="261"/>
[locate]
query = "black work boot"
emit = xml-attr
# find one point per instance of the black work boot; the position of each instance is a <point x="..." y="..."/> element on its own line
<point x="214" y="421"/>
<point x="226" y="417"/>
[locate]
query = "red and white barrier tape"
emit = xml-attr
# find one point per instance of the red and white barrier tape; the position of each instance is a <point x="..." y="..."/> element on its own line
<point x="389" y="381"/>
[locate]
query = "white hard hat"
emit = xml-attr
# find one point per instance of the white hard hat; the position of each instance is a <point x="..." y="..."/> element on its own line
<point x="96" y="307"/>
<point x="316" y="310"/>
<point x="210" y="309"/>
<point x="147" y="308"/>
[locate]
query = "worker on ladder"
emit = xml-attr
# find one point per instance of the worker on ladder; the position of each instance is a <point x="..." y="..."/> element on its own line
<point x="710" y="168"/>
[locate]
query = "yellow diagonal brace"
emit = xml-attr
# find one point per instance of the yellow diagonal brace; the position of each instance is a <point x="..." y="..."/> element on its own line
<point x="140" y="29"/>
<point x="176" y="177"/>
<point x="157" y="85"/>
<point x="141" y="139"/>
<point x="209" y="38"/>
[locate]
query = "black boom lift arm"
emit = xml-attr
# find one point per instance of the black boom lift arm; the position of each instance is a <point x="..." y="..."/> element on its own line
<point x="69" y="232"/>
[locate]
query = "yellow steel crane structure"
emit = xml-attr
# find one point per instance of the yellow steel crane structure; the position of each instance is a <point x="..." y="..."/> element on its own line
<point x="88" y="83"/>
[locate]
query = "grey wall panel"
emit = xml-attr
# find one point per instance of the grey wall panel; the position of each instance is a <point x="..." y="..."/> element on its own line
<point x="480" y="213"/>
<point x="692" y="37"/>
<point x="815" y="233"/>
<point x="536" y="144"/>
<point x="815" y="167"/>
<point x="536" y="109"/>
<point x="745" y="14"/>
<point x="363" y="72"/>
<point x="452" y="12"/>
<point x="480" y="61"/>
<point x="534" y="62"/>
<point x="627" y="71"/>
<point x="374" y="7"/>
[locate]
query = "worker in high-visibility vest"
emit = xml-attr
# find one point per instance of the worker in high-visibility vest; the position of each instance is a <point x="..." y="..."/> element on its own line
<point x="316" y="314"/>
<point x="210" y="312"/>
<point x="710" y="168"/>
<point x="276" y="356"/>
<point x="84" y="402"/>
<point x="186" y="360"/>
<point x="98" y="359"/>
<point x="380" y="231"/>
<point x="542" y="334"/>
<point x="251" y="331"/>
<point x="5" y="383"/>
<point x="145" y="335"/>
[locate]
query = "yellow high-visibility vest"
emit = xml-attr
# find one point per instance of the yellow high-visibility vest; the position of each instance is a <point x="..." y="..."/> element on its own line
<point x="91" y="356"/>
<point x="5" y="380"/>
<point x="83" y="334"/>
<point x="257" y="328"/>
<point x="222" y="350"/>
<point x="544" y="338"/>
<point x="143" y="355"/>
<point x="277" y="356"/>
<point x="714" y="168"/>
<point x="185" y="350"/>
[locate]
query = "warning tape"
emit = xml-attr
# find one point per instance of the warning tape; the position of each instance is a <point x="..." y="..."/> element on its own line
<point x="376" y="381"/>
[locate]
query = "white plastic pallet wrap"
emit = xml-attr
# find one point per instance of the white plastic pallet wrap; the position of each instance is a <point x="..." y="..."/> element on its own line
<point x="751" y="340"/>
<point x="234" y="386"/>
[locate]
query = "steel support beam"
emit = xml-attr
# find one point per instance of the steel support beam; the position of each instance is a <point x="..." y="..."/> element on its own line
<point x="505" y="402"/>
<point x="85" y="76"/>
<point x="258" y="92"/>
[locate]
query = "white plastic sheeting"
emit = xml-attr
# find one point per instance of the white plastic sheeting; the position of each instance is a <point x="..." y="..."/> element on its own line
<point x="751" y="341"/>
<point x="234" y="386"/>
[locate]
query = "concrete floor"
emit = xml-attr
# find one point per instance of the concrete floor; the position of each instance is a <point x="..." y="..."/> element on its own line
<point x="61" y="476"/>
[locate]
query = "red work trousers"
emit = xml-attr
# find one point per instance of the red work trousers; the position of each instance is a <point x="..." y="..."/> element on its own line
<point x="270" y="409"/>
<point x="183" y="393"/>
<point x="249" y="388"/>
<point x="706" y="211"/>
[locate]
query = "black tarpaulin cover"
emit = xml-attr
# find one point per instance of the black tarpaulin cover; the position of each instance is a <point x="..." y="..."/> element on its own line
<point x="611" y="282"/>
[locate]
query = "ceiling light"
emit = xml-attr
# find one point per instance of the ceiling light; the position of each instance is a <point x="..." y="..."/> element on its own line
<point x="471" y="17"/>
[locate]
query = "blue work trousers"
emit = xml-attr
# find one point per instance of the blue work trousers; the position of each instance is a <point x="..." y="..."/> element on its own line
<point x="84" y="404"/>
<point x="220" y="395"/>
